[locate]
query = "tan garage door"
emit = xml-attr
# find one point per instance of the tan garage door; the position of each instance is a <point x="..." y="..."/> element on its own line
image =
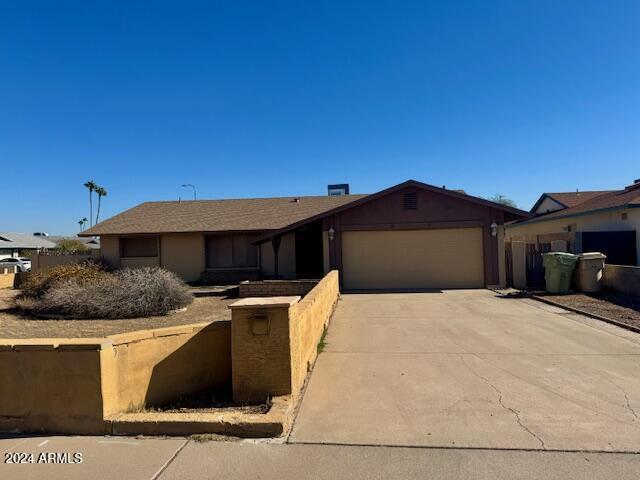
<point x="440" y="258"/>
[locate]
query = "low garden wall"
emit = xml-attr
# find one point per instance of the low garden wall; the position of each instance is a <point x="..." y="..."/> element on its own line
<point x="72" y="385"/>
<point x="274" y="340"/>
<point x="7" y="277"/>
<point x="275" y="288"/>
<point x="622" y="278"/>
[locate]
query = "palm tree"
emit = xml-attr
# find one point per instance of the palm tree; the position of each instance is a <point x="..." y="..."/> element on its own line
<point x="81" y="223"/>
<point x="84" y="222"/>
<point x="102" y="192"/>
<point x="91" y="185"/>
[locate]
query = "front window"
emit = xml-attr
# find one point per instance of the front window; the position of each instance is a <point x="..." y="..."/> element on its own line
<point x="139" y="247"/>
<point x="231" y="251"/>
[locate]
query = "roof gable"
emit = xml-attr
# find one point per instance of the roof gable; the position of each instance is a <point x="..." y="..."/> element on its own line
<point x="510" y="212"/>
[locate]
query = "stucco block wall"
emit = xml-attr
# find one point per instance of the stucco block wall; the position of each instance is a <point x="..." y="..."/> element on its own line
<point x="275" y="288"/>
<point x="272" y="358"/>
<point x="622" y="278"/>
<point x="51" y="387"/>
<point x="308" y="320"/>
<point x="183" y="253"/>
<point x="286" y="258"/>
<point x="261" y="361"/>
<point x="7" y="277"/>
<point x="71" y="385"/>
<point x="153" y="367"/>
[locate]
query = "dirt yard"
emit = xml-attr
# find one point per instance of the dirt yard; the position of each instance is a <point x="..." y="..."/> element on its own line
<point x="622" y="307"/>
<point x="13" y="325"/>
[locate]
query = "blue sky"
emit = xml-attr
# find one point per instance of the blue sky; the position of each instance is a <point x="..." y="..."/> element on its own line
<point x="281" y="98"/>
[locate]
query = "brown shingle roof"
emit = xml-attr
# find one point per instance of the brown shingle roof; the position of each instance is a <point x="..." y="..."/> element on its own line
<point x="629" y="197"/>
<point x="571" y="199"/>
<point x="257" y="214"/>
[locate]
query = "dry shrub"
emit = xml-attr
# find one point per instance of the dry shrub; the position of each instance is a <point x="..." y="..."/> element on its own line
<point x="37" y="284"/>
<point x="125" y="293"/>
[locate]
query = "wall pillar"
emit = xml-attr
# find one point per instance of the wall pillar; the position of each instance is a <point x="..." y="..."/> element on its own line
<point x="260" y="348"/>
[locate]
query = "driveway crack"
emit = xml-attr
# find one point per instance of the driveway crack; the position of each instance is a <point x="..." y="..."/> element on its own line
<point x="626" y="397"/>
<point x="501" y="403"/>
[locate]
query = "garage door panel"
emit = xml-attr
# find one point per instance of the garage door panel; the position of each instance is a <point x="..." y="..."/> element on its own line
<point x="439" y="258"/>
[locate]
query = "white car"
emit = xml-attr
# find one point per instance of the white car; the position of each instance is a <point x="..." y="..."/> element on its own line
<point x="23" y="264"/>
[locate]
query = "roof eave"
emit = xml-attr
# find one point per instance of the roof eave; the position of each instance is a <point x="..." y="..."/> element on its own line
<point x="545" y="218"/>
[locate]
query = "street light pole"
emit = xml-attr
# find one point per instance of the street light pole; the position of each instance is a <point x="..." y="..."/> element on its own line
<point x="192" y="186"/>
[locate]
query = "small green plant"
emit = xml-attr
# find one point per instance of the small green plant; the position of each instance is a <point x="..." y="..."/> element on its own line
<point x="322" y="343"/>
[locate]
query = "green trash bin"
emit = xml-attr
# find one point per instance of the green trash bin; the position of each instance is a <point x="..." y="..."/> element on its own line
<point x="558" y="269"/>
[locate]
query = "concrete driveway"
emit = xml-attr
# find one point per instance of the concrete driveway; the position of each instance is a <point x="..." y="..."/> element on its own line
<point x="470" y="369"/>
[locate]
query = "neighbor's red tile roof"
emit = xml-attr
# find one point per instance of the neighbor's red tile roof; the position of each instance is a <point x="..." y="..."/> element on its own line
<point x="629" y="197"/>
<point x="257" y="214"/>
<point x="571" y="199"/>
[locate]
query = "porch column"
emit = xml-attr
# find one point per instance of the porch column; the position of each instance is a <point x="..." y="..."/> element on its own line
<point x="275" y="244"/>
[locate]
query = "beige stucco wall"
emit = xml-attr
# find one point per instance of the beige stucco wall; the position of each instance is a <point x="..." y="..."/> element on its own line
<point x="274" y="359"/>
<point x="153" y="367"/>
<point x="286" y="257"/>
<point x="110" y="250"/>
<point x="622" y="278"/>
<point x="72" y="385"/>
<point x="308" y="320"/>
<point x="597" y="222"/>
<point x="183" y="253"/>
<point x="51" y="387"/>
<point x="7" y="277"/>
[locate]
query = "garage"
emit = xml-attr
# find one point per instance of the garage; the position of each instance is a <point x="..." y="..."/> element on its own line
<point x="413" y="259"/>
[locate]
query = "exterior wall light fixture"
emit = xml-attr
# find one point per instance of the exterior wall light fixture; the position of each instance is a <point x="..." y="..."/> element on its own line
<point x="494" y="229"/>
<point x="332" y="233"/>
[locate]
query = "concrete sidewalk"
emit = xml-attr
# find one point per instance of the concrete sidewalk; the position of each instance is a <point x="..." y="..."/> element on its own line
<point x="472" y="369"/>
<point x="150" y="459"/>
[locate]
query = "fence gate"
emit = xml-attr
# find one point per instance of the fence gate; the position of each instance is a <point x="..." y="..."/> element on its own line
<point x="619" y="247"/>
<point x="535" y="270"/>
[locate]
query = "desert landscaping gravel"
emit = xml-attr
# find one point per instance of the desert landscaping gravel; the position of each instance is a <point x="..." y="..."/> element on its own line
<point x="618" y="306"/>
<point x="13" y="325"/>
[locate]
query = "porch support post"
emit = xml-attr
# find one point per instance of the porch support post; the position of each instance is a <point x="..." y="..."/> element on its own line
<point x="275" y="244"/>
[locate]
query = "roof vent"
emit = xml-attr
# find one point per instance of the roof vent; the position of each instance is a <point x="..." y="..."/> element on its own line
<point x="410" y="201"/>
<point x="338" y="189"/>
<point x="295" y="200"/>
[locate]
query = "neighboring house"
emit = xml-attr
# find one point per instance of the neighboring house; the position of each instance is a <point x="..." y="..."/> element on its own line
<point x="410" y="236"/>
<point x="606" y="221"/>
<point x="89" y="242"/>
<point x="15" y="244"/>
<point x="552" y="202"/>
